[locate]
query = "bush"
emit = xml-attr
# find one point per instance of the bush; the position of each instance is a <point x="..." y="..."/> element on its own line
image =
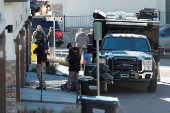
<point x="52" y="69"/>
<point x="64" y="62"/>
<point x="61" y="62"/>
<point x="71" y="109"/>
<point x="42" y="109"/>
<point x="34" y="68"/>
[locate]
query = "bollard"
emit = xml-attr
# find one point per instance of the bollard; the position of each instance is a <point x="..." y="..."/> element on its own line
<point x="84" y="65"/>
<point x="61" y="55"/>
<point x="41" y="79"/>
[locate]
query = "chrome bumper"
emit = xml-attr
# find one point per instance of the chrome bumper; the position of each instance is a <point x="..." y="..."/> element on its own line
<point x="145" y="73"/>
<point x="134" y="75"/>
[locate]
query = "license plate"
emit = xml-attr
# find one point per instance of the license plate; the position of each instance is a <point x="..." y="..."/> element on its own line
<point x="124" y="75"/>
<point x="95" y="110"/>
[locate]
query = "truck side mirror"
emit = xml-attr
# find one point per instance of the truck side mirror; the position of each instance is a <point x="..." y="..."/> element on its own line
<point x="89" y="48"/>
<point x="163" y="34"/>
<point x="161" y="51"/>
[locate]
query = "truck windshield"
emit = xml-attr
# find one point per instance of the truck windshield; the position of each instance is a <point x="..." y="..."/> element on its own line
<point x="130" y="44"/>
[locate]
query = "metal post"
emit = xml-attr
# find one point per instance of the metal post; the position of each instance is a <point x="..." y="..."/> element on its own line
<point x="84" y="67"/>
<point x="159" y="15"/>
<point x="61" y="55"/>
<point x="98" y="76"/>
<point x="54" y="37"/>
<point x="64" y="23"/>
<point x="97" y="37"/>
<point x="41" y="82"/>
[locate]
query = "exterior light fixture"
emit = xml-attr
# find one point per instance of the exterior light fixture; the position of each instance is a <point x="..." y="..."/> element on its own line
<point x="22" y="32"/>
<point x="30" y="18"/>
<point x="18" y="41"/>
<point x="10" y="28"/>
<point x="26" y="25"/>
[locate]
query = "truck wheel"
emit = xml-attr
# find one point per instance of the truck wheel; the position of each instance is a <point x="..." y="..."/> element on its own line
<point x="153" y="84"/>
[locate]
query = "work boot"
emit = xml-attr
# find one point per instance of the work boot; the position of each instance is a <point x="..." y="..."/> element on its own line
<point x="68" y="90"/>
<point x="44" y="88"/>
<point x="39" y="88"/>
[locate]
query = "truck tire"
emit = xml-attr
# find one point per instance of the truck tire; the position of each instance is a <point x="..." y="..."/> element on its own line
<point x="153" y="84"/>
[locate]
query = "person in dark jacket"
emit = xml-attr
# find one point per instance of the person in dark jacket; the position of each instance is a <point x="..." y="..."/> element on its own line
<point x="74" y="68"/>
<point x="90" y="35"/>
<point x="51" y="41"/>
<point x="41" y="52"/>
<point x="70" y="47"/>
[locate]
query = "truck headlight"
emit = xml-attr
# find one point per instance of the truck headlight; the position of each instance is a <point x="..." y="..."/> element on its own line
<point x="102" y="60"/>
<point x="148" y="65"/>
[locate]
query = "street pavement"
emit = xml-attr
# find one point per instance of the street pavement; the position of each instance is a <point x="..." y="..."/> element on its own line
<point x="138" y="100"/>
<point x="132" y="99"/>
<point x="53" y="97"/>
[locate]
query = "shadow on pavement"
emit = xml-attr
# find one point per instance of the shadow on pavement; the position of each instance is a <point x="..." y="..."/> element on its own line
<point x="138" y="100"/>
<point x="164" y="62"/>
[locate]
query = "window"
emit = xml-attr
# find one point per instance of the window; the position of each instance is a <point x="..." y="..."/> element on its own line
<point x="167" y="32"/>
<point x="130" y="44"/>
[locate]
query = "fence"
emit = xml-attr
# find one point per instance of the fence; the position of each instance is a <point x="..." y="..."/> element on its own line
<point x="77" y="22"/>
<point x="164" y="18"/>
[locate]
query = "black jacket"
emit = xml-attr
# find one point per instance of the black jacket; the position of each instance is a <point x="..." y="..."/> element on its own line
<point x="42" y="53"/>
<point x="70" y="53"/>
<point x="75" y="62"/>
<point x="90" y="38"/>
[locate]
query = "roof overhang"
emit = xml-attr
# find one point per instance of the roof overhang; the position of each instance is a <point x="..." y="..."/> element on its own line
<point x="16" y="0"/>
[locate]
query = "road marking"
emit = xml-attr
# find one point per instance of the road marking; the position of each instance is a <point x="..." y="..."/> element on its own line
<point x="164" y="67"/>
<point x="166" y="99"/>
<point x="164" y="82"/>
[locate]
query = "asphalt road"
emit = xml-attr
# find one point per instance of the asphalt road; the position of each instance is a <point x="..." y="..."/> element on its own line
<point x="138" y="100"/>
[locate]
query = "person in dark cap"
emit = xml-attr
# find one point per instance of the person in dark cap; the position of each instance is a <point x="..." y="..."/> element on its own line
<point x="70" y="48"/>
<point x="41" y="52"/>
<point x="90" y="35"/>
<point x="74" y="68"/>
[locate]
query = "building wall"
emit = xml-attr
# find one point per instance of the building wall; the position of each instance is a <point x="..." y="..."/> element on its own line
<point x="11" y="86"/>
<point x="13" y="12"/>
<point x="2" y="20"/>
<point x="2" y="8"/>
<point x="9" y="15"/>
<point x="87" y="7"/>
<point x="161" y="5"/>
<point x="16" y="14"/>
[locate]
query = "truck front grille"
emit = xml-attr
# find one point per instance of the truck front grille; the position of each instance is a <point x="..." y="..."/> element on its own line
<point x="118" y="64"/>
